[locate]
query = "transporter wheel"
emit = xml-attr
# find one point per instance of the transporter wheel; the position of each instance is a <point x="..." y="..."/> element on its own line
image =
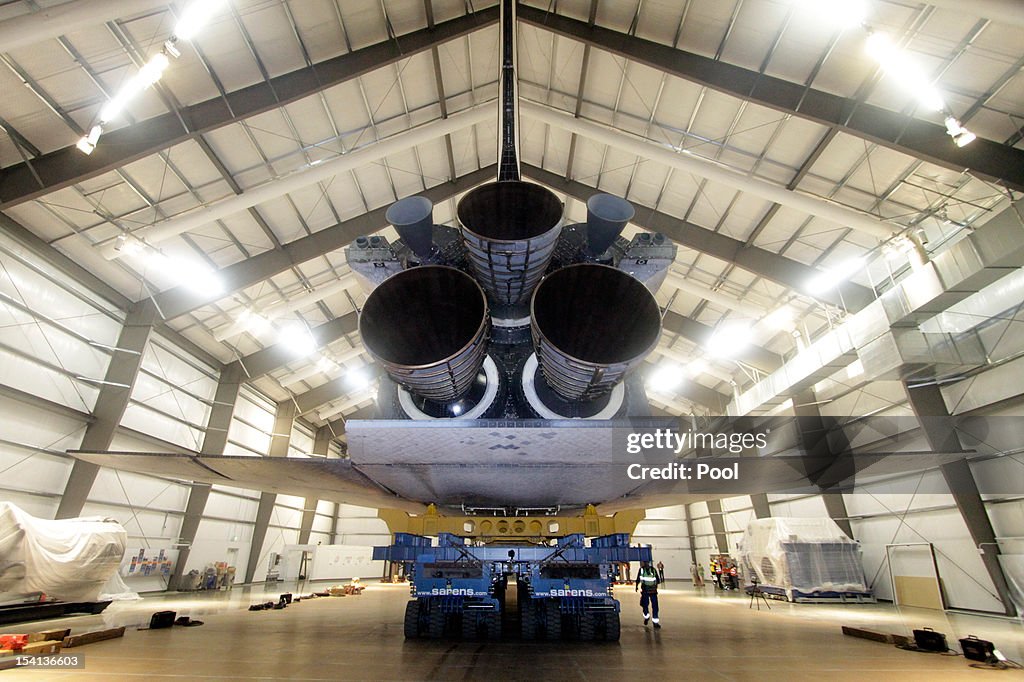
<point x="492" y="625"/>
<point x="528" y="620"/>
<point x="412" y="619"/>
<point x="588" y="629"/>
<point x="470" y="625"/>
<point x="553" y="620"/>
<point x="611" y="627"/>
<point x="435" y="627"/>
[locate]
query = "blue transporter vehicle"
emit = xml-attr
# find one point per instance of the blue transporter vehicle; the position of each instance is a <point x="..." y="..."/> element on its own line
<point x="562" y="591"/>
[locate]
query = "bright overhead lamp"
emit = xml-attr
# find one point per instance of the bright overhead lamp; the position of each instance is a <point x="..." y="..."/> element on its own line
<point x="961" y="136"/>
<point x="297" y="339"/>
<point x="831" y="278"/>
<point x="88" y="143"/>
<point x="666" y="378"/>
<point x="197" y="15"/>
<point x="729" y="340"/>
<point x="842" y="13"/>
<point x="899" y="65"/>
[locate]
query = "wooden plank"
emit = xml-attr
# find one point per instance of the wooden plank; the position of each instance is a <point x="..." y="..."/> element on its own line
<point x="43" y="648"/>
<point x="90" y="637"/>
<point x="867" y="634"/>
<point x="49" y="635"/>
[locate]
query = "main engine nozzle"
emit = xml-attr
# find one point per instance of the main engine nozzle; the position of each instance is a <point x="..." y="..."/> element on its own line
<point x="510" y="229"/>
<point x="592" y="324"/>
<point x="427" y="327"/>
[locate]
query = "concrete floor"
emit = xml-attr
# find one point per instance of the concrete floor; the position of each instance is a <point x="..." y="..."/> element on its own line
<point x="706" y="636"/>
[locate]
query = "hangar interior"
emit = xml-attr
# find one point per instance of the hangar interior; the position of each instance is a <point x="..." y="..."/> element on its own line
<point x="842" y="180"/>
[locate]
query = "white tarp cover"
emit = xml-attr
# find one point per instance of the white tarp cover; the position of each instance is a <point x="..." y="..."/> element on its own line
<point x="808" y="555"/>
<point x="70" y="560"/>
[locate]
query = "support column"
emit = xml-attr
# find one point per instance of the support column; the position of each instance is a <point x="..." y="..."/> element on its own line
<point x="215" y="441"/>
<point x="279" y="441"/>
<point x="940" y="432"/>
<point x="814" y="439"/>
<point x="689" y="533"/>
<point x="110" y="405"/>
<point x="762" y="509"/>
<point x="321" y="444"/>
<point x="718" y="525"/>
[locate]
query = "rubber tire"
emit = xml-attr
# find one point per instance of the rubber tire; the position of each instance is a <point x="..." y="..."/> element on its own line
<point x="528" y="620"/>
<point x="412" y="619"/>
<point x="435" y="627"/>
<point x="553" y="620"/>
<point x="492" y="625"/>
<point x="612" y="627"/>
<point x="587" y="631"/>
<point x="470" y="625"/>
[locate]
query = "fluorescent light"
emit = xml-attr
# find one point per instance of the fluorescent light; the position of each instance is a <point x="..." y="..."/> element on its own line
<point x="195" y="17"/>
<point x="666" y="378"/>
<point x="844" y="13"/>
<point x="830" y="278"/>
<point x="899" y="65"/>
<point x="729" y="340"/>
<point x="298" y="339"/>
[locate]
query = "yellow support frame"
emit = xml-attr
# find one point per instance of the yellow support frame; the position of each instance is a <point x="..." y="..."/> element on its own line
<point x="515" y="528"/>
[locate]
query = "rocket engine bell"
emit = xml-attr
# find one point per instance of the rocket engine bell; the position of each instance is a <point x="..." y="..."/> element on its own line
<point x="591" y="324"/>
<point x="427" y="327"/>
<point x="510" y="229"/>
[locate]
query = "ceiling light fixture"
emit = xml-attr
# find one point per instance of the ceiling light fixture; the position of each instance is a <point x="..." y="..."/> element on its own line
<point x="192" y="20"/>
<point x="961" y="136"/>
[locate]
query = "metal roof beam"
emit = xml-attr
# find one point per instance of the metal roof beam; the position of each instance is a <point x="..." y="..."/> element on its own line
<point x="918" y="138"/>
<point x="767" y="264"/>
<point x="68" y="166"/>
<point x="701" y="334"/>
<point x="180" y="300"/>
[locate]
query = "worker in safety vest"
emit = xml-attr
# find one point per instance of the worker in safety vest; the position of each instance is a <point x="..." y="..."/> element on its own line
<point x="715" y="573"/>
<point x="647" y="585"/>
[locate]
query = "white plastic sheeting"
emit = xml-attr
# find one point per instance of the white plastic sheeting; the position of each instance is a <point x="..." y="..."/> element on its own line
<point x="802" y="558"/>
<point x="70" y="560"/>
